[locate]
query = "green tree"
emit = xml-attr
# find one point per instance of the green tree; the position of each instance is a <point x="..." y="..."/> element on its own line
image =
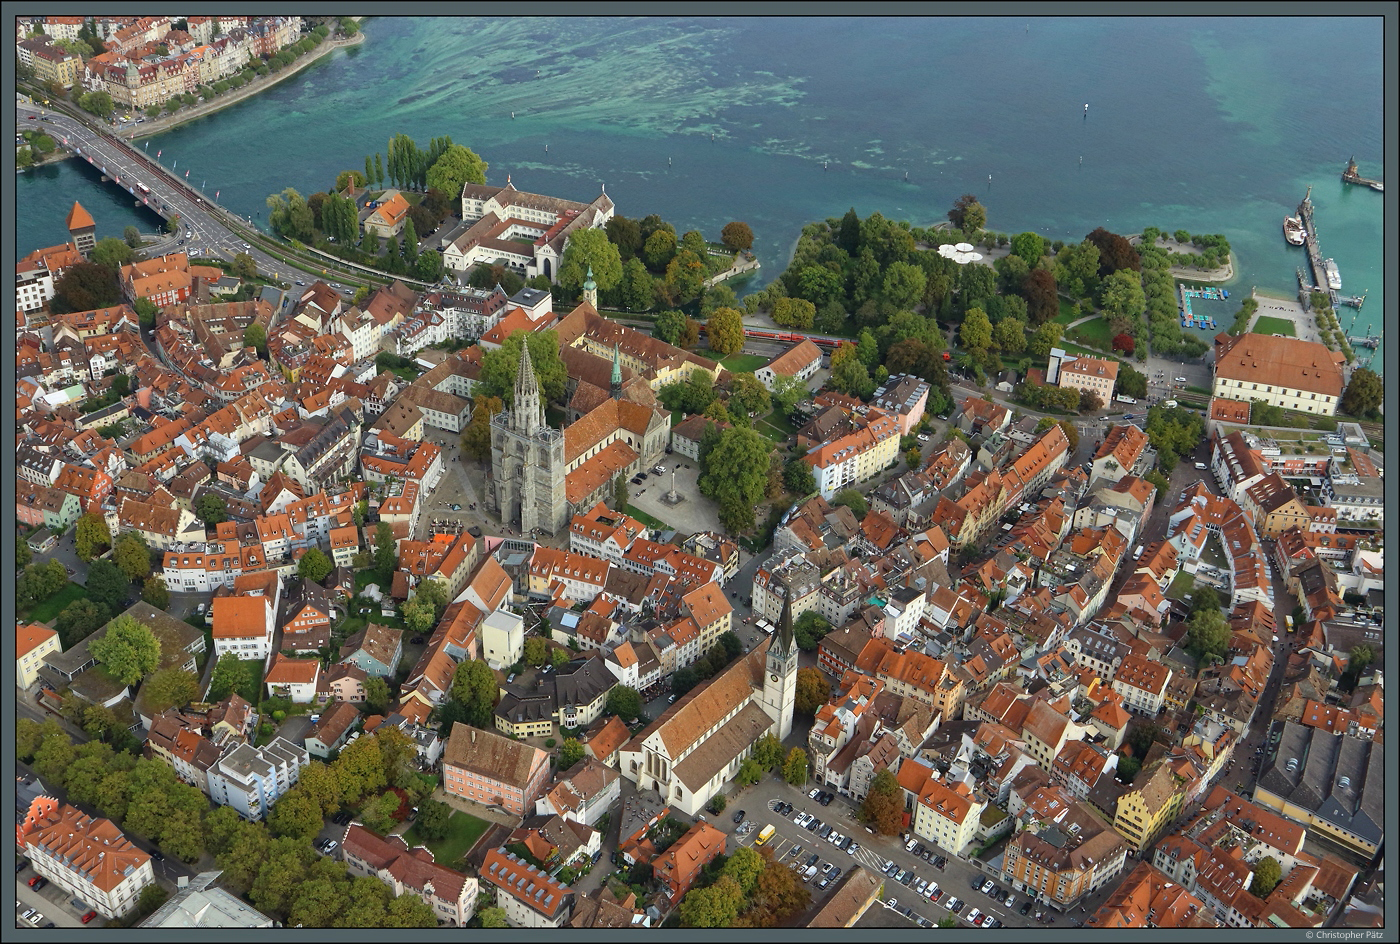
<point x="813" y="691"/>
<point x="967" y="214"/>
<point x="638" y="292"/>
<point x="1029" y="247"/>
<point x="289" y="215"/>
<point x="736" y="236"/>
<point x="767" y="752"/>
<point x="230" y="675"/>
<point x="747" y="393"/>
<point x="853" y="500"/>
<point x="132" y="556"/>
<point x="493" y="916"/>
<point x="619" y="493"/>
<point x="170" y="688"/>
<point x="286" y="861"/>
<point x="81" y="617"/>
<point x="1010" y="335"/>
<point x="376" y="695"/>
<point x="570" y="753"/>
<point x="314" y="565"/>
<point x="976" y="330"/>
<point x="795" y="768"/>
<point x="246" y="267"/>
<point x="91" y="537"/>
<point x="211" y="508"/>
<point x="883" y="807"/>
<point x="796" y="313"/>
<point x="107" y="585"/>
<point x="536" y="651"/>
<point x="685" y="275"/>
<point x="53" y="760"/>
<point x="626" y="234"/>
<point x="716" y="906"/>
<point x="819" y="285"/>
<point x="904" y="285"/>
<point x="590" y="249"/>
<point x="848" y="372"/>
<point x="668" y="325"/>
<point x="474" y="688"/>
<point x="23" y="555"/>
<point x="744" y="867"/>
<point x="625" y="702"/>
<point x="458" y="165"/>
<point x="499" y="367"/>
<point x="798" y="478"/>
<point x="85" y="286"/>
<point x="128" y="650"/>
<point x="737" y="475"/>
<point x="1208" y="634"/>
<point x="385" y="549"/>
<point x="1360" y="657"/>
<point x="30" y="736"/>
<point x="1267" y="875"/>
<point x="1364" y="393"/>
<point x="725" y="331"/>
<point x="1122" y="299"/>
<point x="659" y="249"/>
<point x="432" y="819"/>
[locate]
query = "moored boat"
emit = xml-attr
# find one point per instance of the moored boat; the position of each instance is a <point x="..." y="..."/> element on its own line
<point x="1293" y="230"/>
<point x="1334" y="277"/>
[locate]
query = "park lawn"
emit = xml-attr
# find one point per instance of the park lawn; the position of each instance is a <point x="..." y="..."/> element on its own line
<point x="770" y="431"/>
<point x="1268" y="324"/>
<point x="1097" y="332"/>
<point x="1066" y="314"/>
<point x="45" y="611"/>
<point x="463" y="830"/>
<point x="647" y="519"/>
<point x="743" y="363"/>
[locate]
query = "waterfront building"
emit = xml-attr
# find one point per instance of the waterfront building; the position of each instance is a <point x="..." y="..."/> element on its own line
<point x="1284" y="372"/>
<point x="525" y="231"/>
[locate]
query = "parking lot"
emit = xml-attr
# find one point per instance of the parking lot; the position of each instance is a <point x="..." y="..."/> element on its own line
<point x="947" y="880"/>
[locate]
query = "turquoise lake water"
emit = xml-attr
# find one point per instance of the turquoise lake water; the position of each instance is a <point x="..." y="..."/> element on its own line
<point x="1207" y="124"/>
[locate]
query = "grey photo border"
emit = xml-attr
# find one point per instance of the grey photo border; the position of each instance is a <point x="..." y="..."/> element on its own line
<point x="1391" y="318"/>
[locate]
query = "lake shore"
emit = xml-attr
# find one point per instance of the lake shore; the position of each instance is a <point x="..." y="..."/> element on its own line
<point x="152" y="127"/>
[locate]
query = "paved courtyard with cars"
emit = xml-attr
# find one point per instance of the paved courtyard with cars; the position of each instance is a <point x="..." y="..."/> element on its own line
<point x="797" y="840"/>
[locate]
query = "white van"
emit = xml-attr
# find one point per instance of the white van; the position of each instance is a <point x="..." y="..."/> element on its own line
<point x="1201" y="465"/>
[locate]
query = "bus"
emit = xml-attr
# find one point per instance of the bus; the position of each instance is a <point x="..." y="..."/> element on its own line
<point x="1123" y="399"/>
<point x="143" y="188"/>
<point x="766" y="834"/>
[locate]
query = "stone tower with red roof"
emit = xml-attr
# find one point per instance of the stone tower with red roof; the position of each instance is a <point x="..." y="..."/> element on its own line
<point x="83" y="229"/>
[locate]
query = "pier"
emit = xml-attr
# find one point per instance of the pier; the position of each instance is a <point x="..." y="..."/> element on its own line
<point x="1314" y="247"/>
<point x="1352" y="176"/>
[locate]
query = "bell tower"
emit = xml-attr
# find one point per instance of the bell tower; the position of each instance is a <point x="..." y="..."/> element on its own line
<point x="590" y="290"/>
<point x="780" y="672"/>
<point x="615" y="390"/>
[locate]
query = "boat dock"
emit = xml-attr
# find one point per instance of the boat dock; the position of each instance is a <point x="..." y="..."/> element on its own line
<point x="1314" y="247"/>
<point x="1352" y="176"/>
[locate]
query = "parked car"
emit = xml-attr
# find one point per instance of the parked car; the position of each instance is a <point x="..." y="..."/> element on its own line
<point x="89" y="916"/>
<point x="975" y="917"/>
<point x="38" y="883"/>
<point x="739" y="816"/>
<point x="20" y="864"/>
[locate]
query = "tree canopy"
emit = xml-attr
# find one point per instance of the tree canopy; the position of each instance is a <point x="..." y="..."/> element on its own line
<point x="590" y="249"/>
<point x="500" y="367"/>
<point x="883" y="807"/>
<point x="737" y="475"/>
<point x="1364" y="393"/>
<point x="736" y="236"/>
<point x="725" y="331"/>
<point x="128" y="650"/>
<point x="458" y="165"/>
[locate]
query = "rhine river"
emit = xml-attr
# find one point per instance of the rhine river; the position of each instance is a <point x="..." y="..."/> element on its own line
<point x="1211" y="125"/>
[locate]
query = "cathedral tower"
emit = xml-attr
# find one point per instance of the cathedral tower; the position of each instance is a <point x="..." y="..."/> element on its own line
<point x="526" y="411"/>
<point x="616" y="387"/>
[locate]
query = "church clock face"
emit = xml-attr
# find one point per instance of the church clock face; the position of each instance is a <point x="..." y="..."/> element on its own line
<point x="774" y="676"/>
